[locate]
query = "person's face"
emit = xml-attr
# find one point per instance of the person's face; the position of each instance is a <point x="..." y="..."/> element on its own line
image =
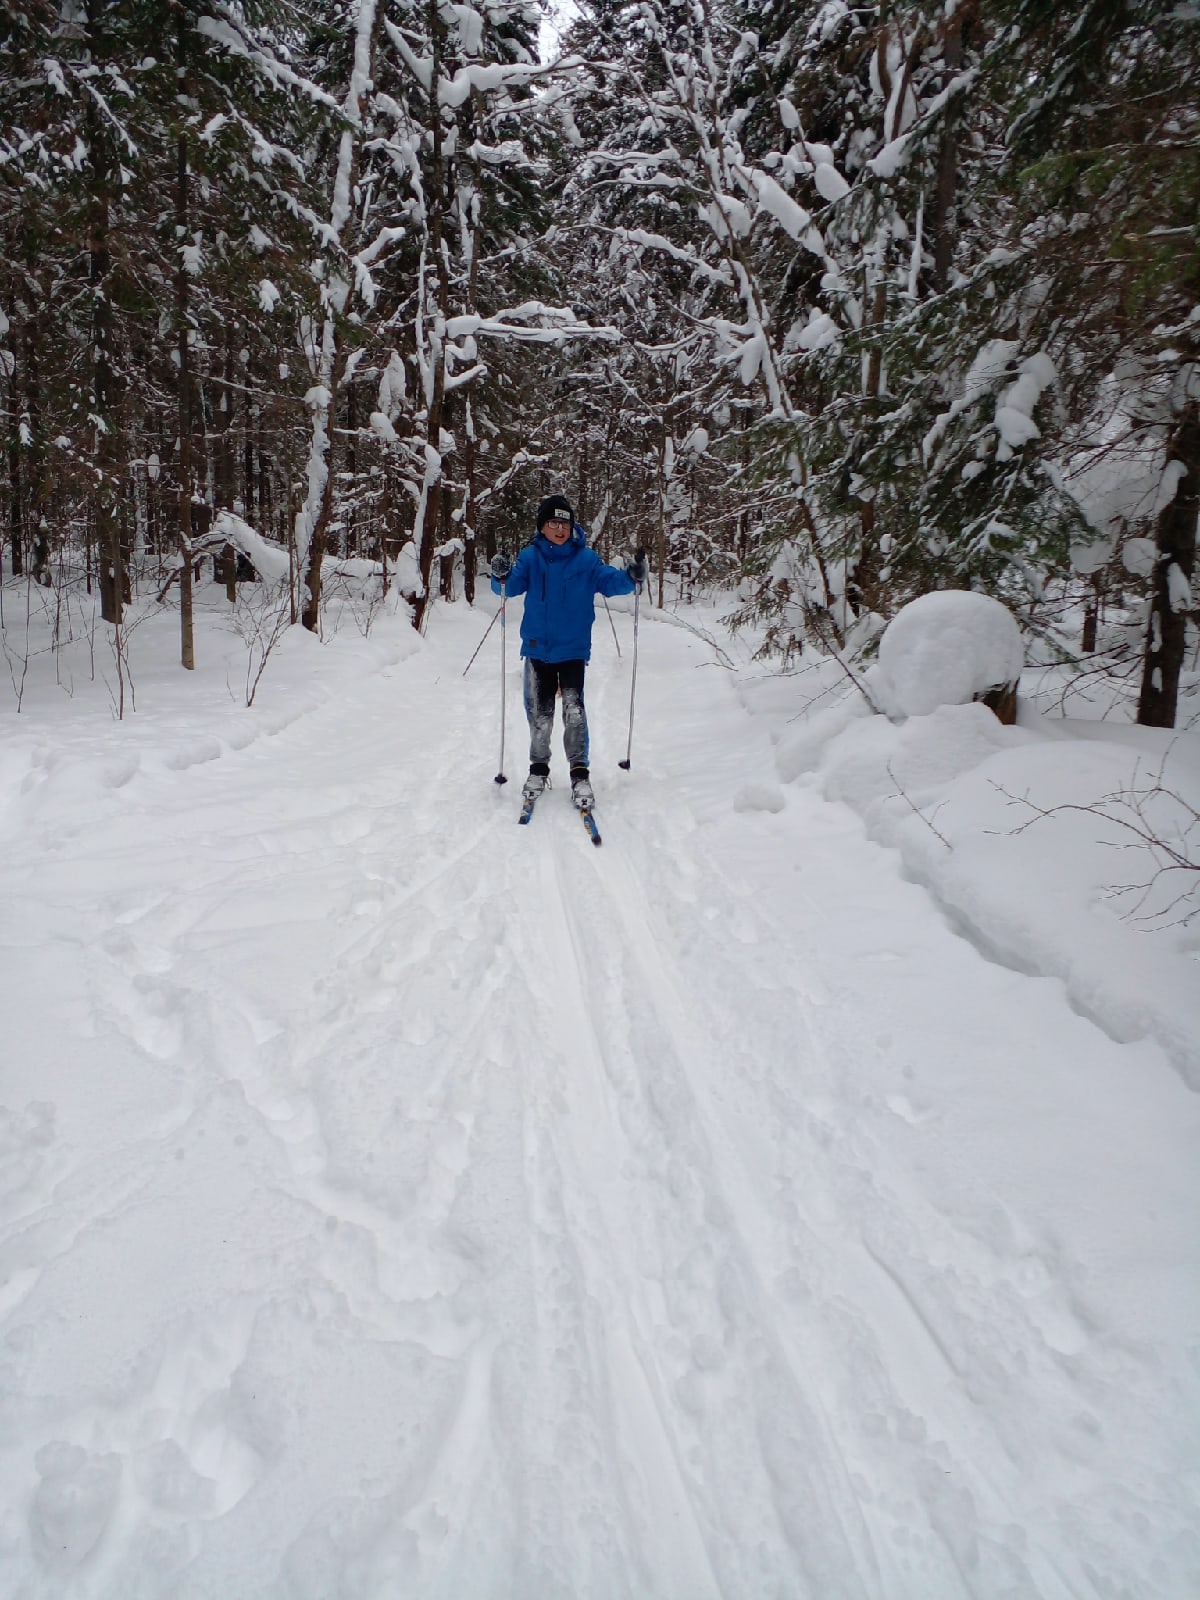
<point x="558" y="529"/>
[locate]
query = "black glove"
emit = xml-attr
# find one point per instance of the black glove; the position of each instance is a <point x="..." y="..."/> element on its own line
<point x="501" y="566"/>
<point x="637" y="567"/>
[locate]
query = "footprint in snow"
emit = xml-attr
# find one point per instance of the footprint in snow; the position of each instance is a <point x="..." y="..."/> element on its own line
<point x="26" y="1136"/>
<point x="73" y="1503"/>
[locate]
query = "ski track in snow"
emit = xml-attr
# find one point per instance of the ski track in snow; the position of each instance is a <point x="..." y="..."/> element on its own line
<point x="397" y="1202"/>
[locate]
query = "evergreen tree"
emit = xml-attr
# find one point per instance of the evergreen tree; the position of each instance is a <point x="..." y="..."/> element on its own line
<point x="1103" y="157"/>
<point x="141" y="195"/>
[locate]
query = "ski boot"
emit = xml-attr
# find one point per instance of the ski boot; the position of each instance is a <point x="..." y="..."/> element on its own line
<point x="582" y="795"/>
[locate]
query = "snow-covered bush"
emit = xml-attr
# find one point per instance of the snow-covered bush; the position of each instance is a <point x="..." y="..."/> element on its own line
<point x="945" y="649"/>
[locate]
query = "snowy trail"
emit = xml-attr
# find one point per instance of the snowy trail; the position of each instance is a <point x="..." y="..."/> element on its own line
<point x="404" y="1203"/>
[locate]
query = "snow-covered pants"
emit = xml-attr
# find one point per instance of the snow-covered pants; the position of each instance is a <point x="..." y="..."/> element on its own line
<point x="543" y="680"/>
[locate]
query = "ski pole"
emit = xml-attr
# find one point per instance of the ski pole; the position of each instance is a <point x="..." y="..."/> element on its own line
<point x="500" y="778"/>
<point x="612" y="624"/>
<point x="482" y="642"/>
<point x="637" y="595"/>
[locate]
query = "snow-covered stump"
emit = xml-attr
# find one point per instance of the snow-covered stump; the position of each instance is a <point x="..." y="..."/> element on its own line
<point x="1002" y="701"/>
<point x="949" y="648"/>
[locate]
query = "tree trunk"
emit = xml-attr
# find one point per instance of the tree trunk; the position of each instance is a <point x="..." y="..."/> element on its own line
<point x="581" y="489"/>
<point x="470" y="514"/>
<point x="265" y="499"/>
<point x="661" y="530"/>
<point x="863" y="589"/>
<point x="432" y="492"/>
<point x="1174" y="570"/>
<point x="470" y="443"/>
<point x="248" y="464"/>
<point x="224" y="467"/>
<point x="881" y="52"/>
<point x="16" y="522"/>
<point x="37" y="464"/>
<point x="446" y="563"/>
<point x="293" y="564"/>
<point x="427" y="534"/>
<point x="1091" y="615"/>
<point x="108" y="541"/>
<point x="16" y="474"/>
<point x="187" y="642"/>
<point x="316" y="516"/>
<point x="310" y="611"/>
<point x="945" y="191"/>
<point x="113" y="580"/>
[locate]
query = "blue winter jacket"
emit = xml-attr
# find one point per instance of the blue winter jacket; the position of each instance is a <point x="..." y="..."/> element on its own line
<point x="560" y="584"/>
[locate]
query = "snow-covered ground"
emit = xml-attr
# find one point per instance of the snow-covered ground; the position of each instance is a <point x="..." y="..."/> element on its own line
<point x="795" y="1197"/>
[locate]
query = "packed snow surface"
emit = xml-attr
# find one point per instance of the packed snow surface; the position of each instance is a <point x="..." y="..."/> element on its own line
<point x="395" y="1202"/>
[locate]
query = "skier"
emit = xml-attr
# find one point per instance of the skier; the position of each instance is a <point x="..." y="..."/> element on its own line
<point x="560" y="578"/>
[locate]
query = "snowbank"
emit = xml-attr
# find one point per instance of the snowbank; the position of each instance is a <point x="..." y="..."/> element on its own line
<point x="1052" y="845"/>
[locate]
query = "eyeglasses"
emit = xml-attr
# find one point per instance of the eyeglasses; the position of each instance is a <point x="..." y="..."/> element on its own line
<point x="565" y="521"/>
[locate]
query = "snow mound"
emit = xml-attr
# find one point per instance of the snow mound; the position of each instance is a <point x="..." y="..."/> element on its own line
<point x="759" y="797"/>
<point x="945" y="649"/>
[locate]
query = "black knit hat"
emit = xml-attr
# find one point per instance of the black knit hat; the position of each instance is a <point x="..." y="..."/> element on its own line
<point x="551" y="506"/>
